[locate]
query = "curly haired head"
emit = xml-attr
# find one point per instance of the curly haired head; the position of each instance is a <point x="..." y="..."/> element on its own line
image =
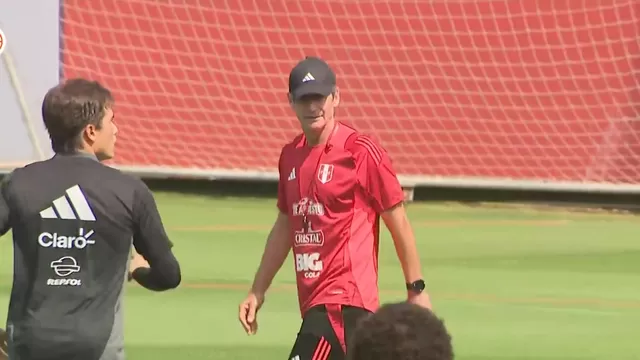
<point x="69" y="107"/>
<point x="401" y="331"/>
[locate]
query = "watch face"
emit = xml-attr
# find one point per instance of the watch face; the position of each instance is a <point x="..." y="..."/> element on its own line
<point x="418" y="286"/>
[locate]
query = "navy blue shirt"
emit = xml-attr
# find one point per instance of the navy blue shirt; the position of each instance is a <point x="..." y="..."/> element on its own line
<point x="74" y="221"/>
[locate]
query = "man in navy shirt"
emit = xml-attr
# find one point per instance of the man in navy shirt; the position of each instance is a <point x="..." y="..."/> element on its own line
<point x="74" y="221"/>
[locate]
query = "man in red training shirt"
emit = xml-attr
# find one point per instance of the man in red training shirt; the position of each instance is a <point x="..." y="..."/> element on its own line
<point x="335" y="185"/>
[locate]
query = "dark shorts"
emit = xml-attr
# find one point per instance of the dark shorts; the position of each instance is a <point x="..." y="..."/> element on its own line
<point x="326" y="332"/>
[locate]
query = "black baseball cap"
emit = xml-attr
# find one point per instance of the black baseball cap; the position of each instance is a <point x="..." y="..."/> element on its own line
<point x="311" y="76"/>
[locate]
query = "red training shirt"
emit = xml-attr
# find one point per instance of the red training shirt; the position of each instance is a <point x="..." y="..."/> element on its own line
<point x="340" y="188"/>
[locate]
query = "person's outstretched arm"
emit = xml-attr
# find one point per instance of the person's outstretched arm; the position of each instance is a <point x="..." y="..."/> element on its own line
<point x="275" y="253"/>
<point x="151" y="241"/>
<point x="379" y="180"/>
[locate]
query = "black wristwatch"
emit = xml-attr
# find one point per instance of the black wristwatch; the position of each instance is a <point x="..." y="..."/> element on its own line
<point x="417" y="286"/>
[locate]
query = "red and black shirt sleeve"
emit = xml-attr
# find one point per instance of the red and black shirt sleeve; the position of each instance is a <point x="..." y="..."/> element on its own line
<point x="375" y="173"/>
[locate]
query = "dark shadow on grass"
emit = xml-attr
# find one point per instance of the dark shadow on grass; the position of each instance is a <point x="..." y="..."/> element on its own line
<point x="218" y="188"/>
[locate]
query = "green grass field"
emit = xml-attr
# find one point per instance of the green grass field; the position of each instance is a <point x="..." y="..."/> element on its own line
<point x="510" y="283"/>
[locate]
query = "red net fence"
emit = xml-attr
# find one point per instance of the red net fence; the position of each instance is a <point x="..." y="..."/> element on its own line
<point x="529" y="90"/>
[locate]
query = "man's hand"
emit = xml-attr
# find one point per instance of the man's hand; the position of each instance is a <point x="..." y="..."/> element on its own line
<point x="137" y="261"/>
<point x="248" y="312"/>
<point x="421" y="299"/>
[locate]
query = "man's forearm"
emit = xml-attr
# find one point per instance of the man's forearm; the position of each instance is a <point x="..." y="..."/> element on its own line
<point x="275" y="253"/>
<point x="405" y="245"/>
<point x="408" y="257"/>
<point x="151" y="279"/>
<point x="164" y="274"/>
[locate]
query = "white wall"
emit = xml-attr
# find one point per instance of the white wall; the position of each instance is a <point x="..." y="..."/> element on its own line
<point x="32" y="31"/>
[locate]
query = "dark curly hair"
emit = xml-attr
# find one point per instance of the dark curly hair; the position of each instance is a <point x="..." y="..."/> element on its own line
<point x="69" y="107"/>
<point x="401" y="331"/>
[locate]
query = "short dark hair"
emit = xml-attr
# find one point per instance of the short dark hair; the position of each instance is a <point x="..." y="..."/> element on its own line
<point x="69" y="107"/>
<point x="401" y="331"/>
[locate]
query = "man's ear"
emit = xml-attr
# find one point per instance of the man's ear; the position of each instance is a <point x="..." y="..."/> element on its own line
<point x="336" y="97"/>
<point x="90" y="133"/>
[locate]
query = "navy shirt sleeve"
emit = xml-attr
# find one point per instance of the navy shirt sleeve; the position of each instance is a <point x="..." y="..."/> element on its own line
<point x="149" y="237"/>
<point x="151" y="241"/>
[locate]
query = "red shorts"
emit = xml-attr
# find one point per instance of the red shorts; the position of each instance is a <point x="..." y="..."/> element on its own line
<point x="326" y="332"/>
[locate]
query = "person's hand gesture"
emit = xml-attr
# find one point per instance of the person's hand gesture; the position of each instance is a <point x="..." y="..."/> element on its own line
<point x="137" y="261"/>
<point x="248" y="312"/>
